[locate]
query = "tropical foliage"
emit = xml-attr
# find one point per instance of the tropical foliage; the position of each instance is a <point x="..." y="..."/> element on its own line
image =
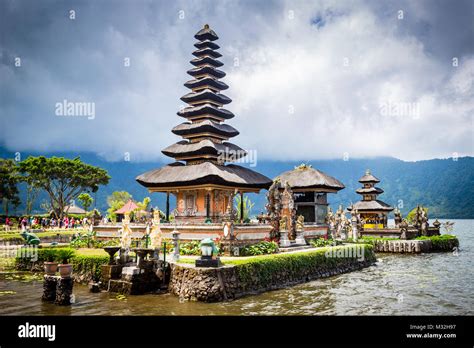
<point x="261" y="248"/>
<point x="61" y="178"/>
<point x="248" y="205"/>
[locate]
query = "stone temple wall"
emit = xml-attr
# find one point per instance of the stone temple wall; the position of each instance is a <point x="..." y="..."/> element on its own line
<point x="231" y="282"/>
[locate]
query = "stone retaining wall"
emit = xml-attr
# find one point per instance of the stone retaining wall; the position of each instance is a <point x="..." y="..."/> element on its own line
<point x="231" y="282"/>
<point x="402" y="246"/>
<point x="413" y="246"/>
<point x="20" y="241"/>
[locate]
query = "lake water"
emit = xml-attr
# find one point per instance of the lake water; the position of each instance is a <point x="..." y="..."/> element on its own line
<point x="427" y="284"/>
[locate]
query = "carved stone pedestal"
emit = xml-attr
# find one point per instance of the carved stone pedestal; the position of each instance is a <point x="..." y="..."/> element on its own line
<point x="284" y="241"/>
<point x="300" y="237"/>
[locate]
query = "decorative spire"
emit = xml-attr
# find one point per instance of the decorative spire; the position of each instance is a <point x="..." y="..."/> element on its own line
<point x="205" y="135"/>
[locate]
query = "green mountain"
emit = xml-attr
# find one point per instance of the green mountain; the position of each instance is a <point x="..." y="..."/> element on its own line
<point x="445" y="186"/>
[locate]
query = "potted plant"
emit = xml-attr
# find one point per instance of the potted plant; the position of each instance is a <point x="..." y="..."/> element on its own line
<point x="50" y="265"/>
<point x="65" y="268"/>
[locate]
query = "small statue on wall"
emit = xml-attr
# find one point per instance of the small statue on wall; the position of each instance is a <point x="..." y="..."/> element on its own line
<point x="424" y="223"/>
<point x="403" y="229"/>
<point x="397" y="217"/>
<point x="155" y="234"/>
<point x="300" y="223"/>
<point x="283" y="224"/>
<point x="273" y="208"/>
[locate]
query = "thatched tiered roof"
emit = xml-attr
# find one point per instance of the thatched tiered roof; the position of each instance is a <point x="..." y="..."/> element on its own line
<point x="205" y="147"/>
<point x="205" y="173"/>
<point x="370" y="193"/>
<point x="305" y="177"/>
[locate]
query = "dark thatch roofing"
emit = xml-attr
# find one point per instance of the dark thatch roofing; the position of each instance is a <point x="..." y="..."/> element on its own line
<point x="204" y="109"/>
<point x="205" y="173"/>
<point x="368" y="178"/>
<point x="206" y="60"/>
<point x="207" y="52"/>
<point x="206" y="43"/>
<point x="206" y="126"/>
<point x="206" y="33"/>
<point x="374" y="205"/>
<point x="366" y="190"/>
<point x="309" y="178"/>
<point x="207" y="81"/>
<point x="206" y="94"/>
<point x="205" y="147"/>
<point x="206" y="70"/>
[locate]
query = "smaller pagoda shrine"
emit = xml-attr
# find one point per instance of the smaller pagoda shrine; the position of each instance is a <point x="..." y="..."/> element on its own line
<point x="373" y="212"/>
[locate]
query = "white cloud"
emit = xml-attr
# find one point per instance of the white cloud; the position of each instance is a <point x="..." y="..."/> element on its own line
<point x="293" y="96"/>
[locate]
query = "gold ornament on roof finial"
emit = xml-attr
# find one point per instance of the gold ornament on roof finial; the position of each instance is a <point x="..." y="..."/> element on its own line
<point x="206" y="26"/>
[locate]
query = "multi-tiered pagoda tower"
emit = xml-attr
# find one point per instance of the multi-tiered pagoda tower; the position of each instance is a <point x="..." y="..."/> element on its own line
<point x="372" y="211"/>
<point x="203" y="184"/>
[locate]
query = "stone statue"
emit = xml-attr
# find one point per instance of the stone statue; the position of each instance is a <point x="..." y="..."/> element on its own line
<point x="300" y="223"/>
<point x="403" y="229"/>
<point x="228" y="230"/>
<point x="288" y="210"/>
<point x="424" y="223"/>
<point x="274" y="208"/>
<point x="355" y="224"/>
<point x="126" y="238"/>
<point x="331" y="221"/>
<point x="30" y="238"/>
<point x="208" y="247"/>
<point x="397" y="217"/>
<point x="343" y="227"/>
<point x="155" y="234"/>
<point x="283" y="224"/>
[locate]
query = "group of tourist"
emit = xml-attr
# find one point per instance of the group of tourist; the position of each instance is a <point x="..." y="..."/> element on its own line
<point x="34" y="222"/>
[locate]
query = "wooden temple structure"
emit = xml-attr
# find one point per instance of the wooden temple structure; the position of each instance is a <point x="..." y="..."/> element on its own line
<point x="310" y="188"/>
<point x="200" y="178"/>
<point x="373" y="212"/>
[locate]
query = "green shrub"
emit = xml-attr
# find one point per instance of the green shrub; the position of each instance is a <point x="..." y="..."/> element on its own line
<point x="261" y="248"/>
<point x="264" y="269"/>
<point x="89" y="265"/>
<point x="190" y="248"/>
<point x="64" y="255"/>
<point x="444" y="242"/>
<point x="321" y="242"/>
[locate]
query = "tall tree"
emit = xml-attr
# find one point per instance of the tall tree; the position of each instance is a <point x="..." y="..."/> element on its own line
<point x="9" y="179"/>
<point x="62" y="178"/>
<point x="86" y="200"/>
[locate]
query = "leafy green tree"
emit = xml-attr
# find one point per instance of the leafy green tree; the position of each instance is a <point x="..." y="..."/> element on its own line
<point x="9" y="179"/>
<point x="116" y="201"/>
<point x="63" y="179"/>
<point x="86" y="200"/>
<point x="412" y="214"/>
<point x="248" y="205"/>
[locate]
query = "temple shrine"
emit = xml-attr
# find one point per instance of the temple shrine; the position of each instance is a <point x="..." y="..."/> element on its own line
<point x="203" y="184"/>
<point x="373" y="212"/>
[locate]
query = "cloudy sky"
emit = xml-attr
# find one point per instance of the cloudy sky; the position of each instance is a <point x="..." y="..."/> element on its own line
<point x="308" y="79"/>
